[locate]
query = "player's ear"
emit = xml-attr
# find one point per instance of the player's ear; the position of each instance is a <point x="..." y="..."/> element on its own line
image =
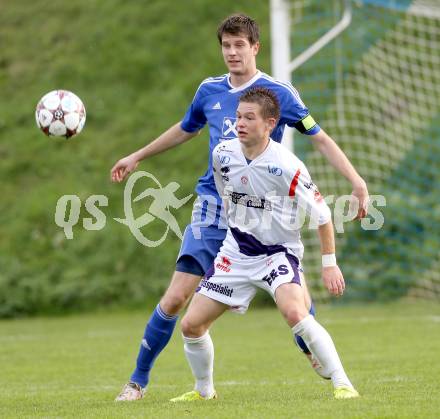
<point x="271" y="123"/>
<point x="256" y="47"/>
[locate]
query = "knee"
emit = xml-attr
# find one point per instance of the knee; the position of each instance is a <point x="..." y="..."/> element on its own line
<point x="190" y="329"/>
<point x="173" y="301"/>
<point x="294" y="315"/>
<point x="181" y="289"/>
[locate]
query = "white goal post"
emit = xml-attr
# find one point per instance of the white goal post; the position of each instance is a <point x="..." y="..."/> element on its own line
<point x="282" y="66"/>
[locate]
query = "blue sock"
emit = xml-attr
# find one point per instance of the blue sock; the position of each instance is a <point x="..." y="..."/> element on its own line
<point x="299" y="341"/>
<point x="157" y="334"/>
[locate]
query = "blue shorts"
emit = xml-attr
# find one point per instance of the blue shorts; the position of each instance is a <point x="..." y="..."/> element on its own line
<point x="197" y="254"/>
<point x="203" y="237"/>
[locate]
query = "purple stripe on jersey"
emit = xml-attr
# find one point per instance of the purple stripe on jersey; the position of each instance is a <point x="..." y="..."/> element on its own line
<point x="295" y="266"/>
<point x="210" y="272"/>
<point x="250" y="246"/>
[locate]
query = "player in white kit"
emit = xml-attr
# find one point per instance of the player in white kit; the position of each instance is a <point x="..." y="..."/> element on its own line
<point x="263" y="186"/>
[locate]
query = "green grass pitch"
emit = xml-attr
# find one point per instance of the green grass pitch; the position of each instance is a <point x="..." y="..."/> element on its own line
<point x="74" y="366"/>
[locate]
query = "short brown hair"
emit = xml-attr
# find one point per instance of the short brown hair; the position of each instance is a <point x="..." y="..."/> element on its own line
<point x="239" y="24"/>
<point x="270" y="107"/>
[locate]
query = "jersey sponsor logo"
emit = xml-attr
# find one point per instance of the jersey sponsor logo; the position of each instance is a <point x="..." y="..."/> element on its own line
<point x="217" y="106"/>
<point x="223" y="148"/>
<point x="316" y="194"/>
<point x="223" y="159"/>
<point x="224" y="264"/>
<point x="229" y="129"/>
<point x="274" y="170"/>
<point x="274" y="273"/>
<point x="244" y="180"/>
<point x="250" y="201"/>
<point x="220" y="289"/>
<point x="225" y="170"/>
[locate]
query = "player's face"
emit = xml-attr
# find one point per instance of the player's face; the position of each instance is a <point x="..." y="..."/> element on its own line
<point x="252" y="128"/>
<point x="239" y="54"/>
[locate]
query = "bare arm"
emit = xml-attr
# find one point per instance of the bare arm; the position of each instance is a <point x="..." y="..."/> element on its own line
<point x="327" y="146"/>
<point x="169" y="139"/>
<point x="331" y="275"/>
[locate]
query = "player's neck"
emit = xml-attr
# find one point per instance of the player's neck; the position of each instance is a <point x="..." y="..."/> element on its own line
<point x="252" y="151"/>
<point x="238" y="80"/>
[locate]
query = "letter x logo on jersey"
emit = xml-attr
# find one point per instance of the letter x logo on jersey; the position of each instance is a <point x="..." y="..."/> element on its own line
<point x="229" y="127"/>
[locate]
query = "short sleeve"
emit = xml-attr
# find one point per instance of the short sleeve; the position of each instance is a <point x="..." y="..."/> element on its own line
<point x="195" y="118"/>
<point x="299" y="186"/>
<point x="295" y="113"/>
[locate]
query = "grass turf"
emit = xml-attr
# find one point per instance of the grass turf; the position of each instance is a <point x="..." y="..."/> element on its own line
<point x="74" y="366"/>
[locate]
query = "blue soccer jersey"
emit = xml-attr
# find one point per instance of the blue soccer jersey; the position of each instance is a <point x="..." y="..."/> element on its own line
<point x="216" y="102"/>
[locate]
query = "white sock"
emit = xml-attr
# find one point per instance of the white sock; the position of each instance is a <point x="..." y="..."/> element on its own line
<point x="321" y="345"/>
<point x="200" y="355"/>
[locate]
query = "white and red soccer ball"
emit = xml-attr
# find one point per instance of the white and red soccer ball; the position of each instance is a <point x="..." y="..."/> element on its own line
<point x="60" y="113"/>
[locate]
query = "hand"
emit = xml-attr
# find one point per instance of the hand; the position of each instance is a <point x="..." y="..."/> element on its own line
<point x="359" y="200"/>
<point x="123" y="168"/>
<point x="333" y="280"/>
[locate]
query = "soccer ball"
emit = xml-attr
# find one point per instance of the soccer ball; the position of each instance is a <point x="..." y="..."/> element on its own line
<point x="60" y="113"/>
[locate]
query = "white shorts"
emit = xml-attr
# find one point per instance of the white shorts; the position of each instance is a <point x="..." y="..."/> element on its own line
<point x="234" y="282"/>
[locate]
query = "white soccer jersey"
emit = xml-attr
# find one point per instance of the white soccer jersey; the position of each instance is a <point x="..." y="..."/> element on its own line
<point x="263" y="198"/>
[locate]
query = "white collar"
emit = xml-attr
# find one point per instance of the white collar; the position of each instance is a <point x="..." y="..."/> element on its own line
<point x="244" y="85"/>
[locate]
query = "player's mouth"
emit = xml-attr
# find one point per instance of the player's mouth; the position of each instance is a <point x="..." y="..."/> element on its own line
<point x="242" y="134"/>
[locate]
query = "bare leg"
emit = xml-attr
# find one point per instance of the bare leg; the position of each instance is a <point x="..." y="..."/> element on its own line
<point x="180" y="290"/>
<point x="201" y="312"/>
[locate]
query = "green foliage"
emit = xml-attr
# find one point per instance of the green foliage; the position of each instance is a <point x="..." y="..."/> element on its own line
<point x="136" y="66"/>
<point x="373" y="90"/>
<point x="386" y="263"/>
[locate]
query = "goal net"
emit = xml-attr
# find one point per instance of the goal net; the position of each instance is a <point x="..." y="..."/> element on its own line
<point x="376" y="90"/>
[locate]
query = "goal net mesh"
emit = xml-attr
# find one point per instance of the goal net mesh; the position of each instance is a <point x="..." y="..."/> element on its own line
<point x="376" y="90"/>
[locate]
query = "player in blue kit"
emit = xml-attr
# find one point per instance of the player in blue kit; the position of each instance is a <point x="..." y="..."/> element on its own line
<point x="215" y="104"/>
